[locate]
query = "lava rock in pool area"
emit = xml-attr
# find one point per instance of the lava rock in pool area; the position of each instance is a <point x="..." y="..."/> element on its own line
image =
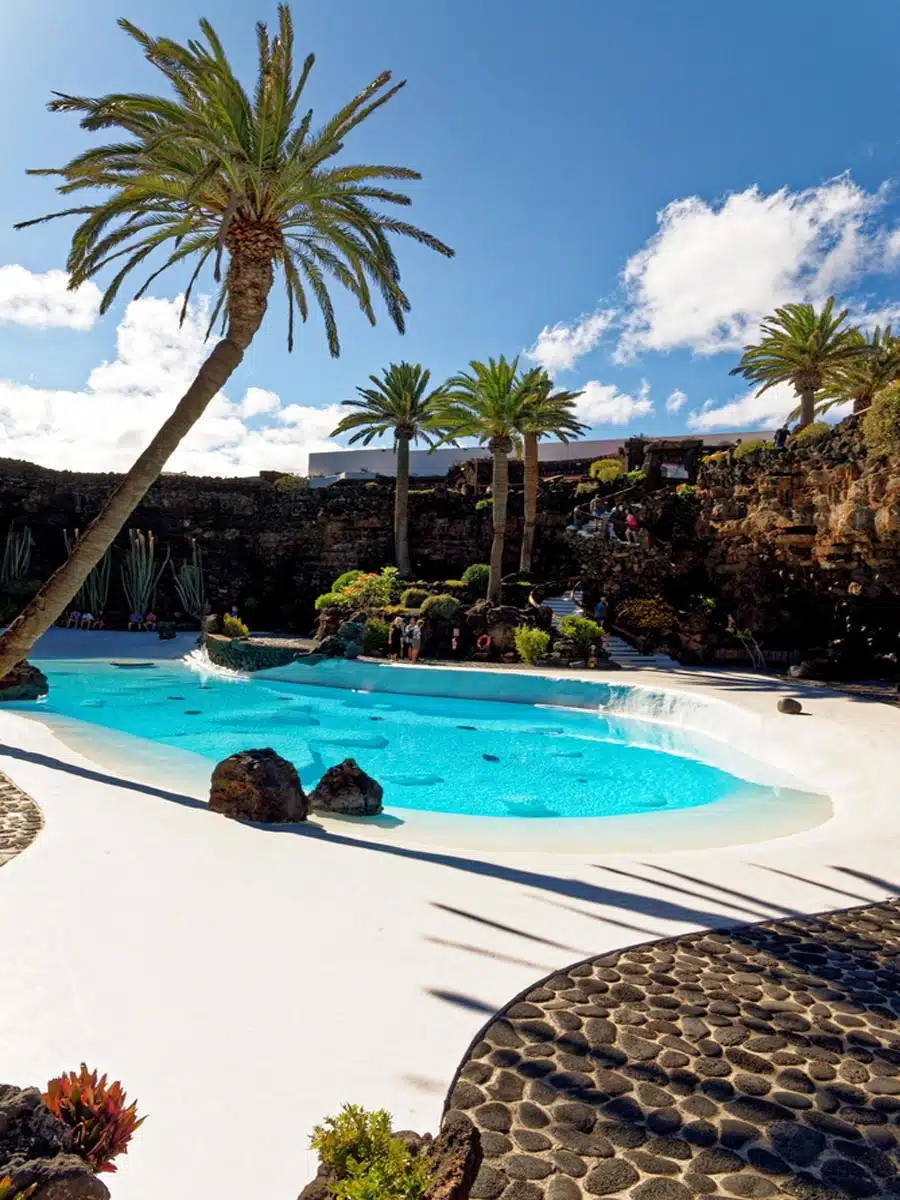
<point x="36" y="1149"/>
<point x="787" y="704"/>
<point x="24" y="682"/>
<point x="258" y="785"/>
<point x="347" y="789"/>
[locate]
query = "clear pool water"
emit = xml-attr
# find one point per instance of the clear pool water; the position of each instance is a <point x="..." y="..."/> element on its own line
<point x="437" y="754"/>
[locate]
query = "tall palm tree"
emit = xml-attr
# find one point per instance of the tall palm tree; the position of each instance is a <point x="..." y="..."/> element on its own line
<point x="876" y="364"/>
<point x="208" y="173"/>
<point x="402" y="405"/>
<point x="548" y="414"/>
<point x="801" y="347"/>
<point x="488" y="403"/>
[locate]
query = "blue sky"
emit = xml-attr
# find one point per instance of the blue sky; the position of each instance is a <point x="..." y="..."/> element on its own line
<point x="628" y="189"/>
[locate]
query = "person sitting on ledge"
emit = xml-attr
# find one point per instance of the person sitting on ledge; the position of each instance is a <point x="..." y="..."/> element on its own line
<point x="74" y="620"/>
<point x="150" y="621"/>
<point x="136" y="620"/>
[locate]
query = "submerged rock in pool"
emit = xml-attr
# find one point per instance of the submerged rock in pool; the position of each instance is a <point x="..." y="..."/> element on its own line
<point x="258" y="785"/>
<point x="347" y="789"/>
<point x="414" y="780"/>
<point x="24" y="682"/>
<point x="490" y="758"/>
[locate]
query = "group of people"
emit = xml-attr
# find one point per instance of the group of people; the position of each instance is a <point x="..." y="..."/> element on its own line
<point x="139" y="620"/>
<point x="405" y="638"/>
<point x="619" y="524"/>
<point x="83" y="620"/>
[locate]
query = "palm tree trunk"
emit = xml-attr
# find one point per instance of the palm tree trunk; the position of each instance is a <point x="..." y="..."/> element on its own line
<point x="807" y="407"/>
<point x="250" y="283"/>
<point x="861" y="403"/>
<point x="500" y="490"/>
<point x="530" y="460"/>
<point x="401" y="507"/>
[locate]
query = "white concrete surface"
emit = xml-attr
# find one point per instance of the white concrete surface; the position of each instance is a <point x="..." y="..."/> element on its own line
<point x="244" y="982"/>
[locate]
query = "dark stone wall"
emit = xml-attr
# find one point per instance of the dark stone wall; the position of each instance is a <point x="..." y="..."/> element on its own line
<point x="271" y="551"/>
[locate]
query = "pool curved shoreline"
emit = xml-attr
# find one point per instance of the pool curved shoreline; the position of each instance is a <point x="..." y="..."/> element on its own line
<point x="774" y="797"/>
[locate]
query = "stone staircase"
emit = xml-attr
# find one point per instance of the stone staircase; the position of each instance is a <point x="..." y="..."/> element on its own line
<point x="628" y="657"/>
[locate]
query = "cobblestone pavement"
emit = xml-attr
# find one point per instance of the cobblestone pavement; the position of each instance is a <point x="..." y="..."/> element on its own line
<point x="20" y="820"/>
<point x="760" y="1062"/>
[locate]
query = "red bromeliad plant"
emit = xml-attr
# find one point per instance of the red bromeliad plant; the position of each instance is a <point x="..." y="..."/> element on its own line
<point x="96" y="1114"/>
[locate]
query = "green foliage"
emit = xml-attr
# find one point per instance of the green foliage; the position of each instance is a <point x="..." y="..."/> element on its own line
<point x="484" y="504"/>
<point x="605" y="470"/>
<point x="190" y="584"/>
<point x="413" y="597"/>
<point x="881" y="424"/>
<point x="140" y="572"/>
<point x="371" y="486"/>
<point x="375" y="636"/>
<point x="17" y="551"/>
<point x="96" y="1115"/>
<point x="346" y="579"/>
<point x="686" y="491"/>
<point x="332" y="600"/>
<point x="94" y="592"/>
<point x="811" y="433"/>
<point x="583" y="490"/>
<point x="399" y="404"/>
<point x="716" y="456"/>
<point x="476" y="577"/>
<point x="648" y="616"/>
<point x="9" y="1191"/>
<point x="454" y="583"/>
<point x="531" y="644"/>
<point x="580" y="629"/>
<point x="233" y="627"/>
<point x="442" y="607"/>
<point x="745" y="449"/>
<point x="421" y="491"/>
<point x="636" y="477"/>
<point x="292" y="483"/>
<point x="366" y="1161"/>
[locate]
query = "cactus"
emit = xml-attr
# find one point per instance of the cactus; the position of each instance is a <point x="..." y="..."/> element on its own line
<point x="93" y="594"/>
<point x="190" y="585"/>
<point x="16" y="556"/>
<point x="140" y="574"/>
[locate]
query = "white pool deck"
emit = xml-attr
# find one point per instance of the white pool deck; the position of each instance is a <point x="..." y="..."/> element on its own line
<point x="243" y="982"/>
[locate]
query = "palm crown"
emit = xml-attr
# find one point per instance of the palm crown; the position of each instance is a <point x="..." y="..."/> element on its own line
<point x="487" y="402"/>
<point x="549" y="413"/>
<point x="799" y="346"/>
<point x="399" y="403"/>
<point x="212" y="168"/>
<point x="875" y="365"/>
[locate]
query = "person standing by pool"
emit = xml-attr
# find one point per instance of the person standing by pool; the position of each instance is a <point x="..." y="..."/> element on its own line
<point x="395" y="639"/>
<point x="414" y="633"/>
<point x="600" y="610"/>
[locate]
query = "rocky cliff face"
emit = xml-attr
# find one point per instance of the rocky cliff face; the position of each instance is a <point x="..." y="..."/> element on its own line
<point x="271" y="551"/>
<point x="806" y="544"/>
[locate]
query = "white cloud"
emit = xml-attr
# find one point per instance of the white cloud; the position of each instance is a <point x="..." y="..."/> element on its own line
<point x="104" y="426"/>
<point x="604" y="404"/>
<point x="709" y="273"/>
<point x="747" y="411"/>
<point x="44" y="301"/>
<point x="558" y="347"/>
<point x="676" y="401"/>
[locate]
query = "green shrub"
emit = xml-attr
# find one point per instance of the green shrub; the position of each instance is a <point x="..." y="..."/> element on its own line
<point x="745" y="449"/>
<point x="346" y="579"/>
<point x="453" y="583"/>
<point x="531" y="644"/>
<point x="633" y="478"/>
<point x="476" y="577"/>
<point x="332" y="600"/>
<point x="442" y="607"/>
<point x="716" y="456"/>
<point x="365" y="1159"/>
<point x="375" y="636"/>
<point x="292" y="483"/>
<point x="413" y="597"/>
<point x="606" y="469"/>
<point x="234" y="628"/>
<point x="686" y="491"/>
<point x="881" y="424"/>
<point x="648" y="616"/>
<point x="811" y="432"/>
<point x="583" y="490"/>
<point x="485" y="504"/>
<point x="581" y="629"/>
<point x="421" y="491"/>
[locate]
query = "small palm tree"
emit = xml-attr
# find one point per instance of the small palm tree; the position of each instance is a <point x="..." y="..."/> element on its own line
<point x="548" y="414"/>
<point x="801" y="347"/>
<point x="488" y="403"/>
<point x="402" y="405"/>
<point x="208" y="173"/>
<point x="875" y="365"/>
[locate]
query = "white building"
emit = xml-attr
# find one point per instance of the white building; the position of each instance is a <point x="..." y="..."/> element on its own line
<point x="383" y="461"/>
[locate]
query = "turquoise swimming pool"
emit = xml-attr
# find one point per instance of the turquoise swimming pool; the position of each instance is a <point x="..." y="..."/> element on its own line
<point x="433" y="753"/>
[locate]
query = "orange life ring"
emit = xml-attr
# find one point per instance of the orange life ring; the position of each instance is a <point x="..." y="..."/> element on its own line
<point x="484" y="642"/>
